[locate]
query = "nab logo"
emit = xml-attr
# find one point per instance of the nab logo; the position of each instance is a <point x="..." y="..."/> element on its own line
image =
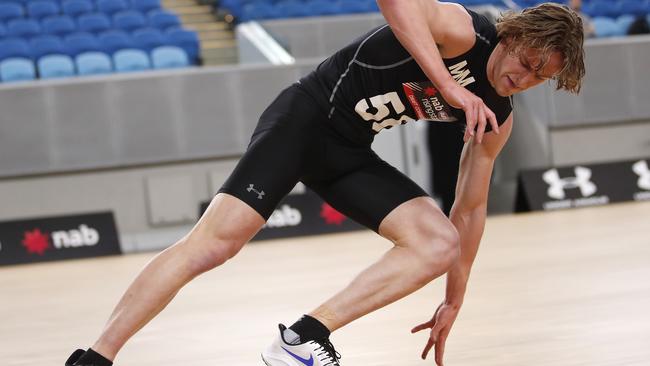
<point x="85" y="236"/>
<point x="37" y="242"/>
<point x="283" y="217"/>
<point x="557" y="185"/>
<point x="642" y="170"/>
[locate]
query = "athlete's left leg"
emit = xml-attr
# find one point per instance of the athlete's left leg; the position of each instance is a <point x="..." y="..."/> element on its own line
<point x="426" y="243"/>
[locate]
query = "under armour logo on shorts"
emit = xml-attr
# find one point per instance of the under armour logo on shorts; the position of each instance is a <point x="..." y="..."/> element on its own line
<point x="251" y="188"/>
<point x="642" y="170"/>
<point x="557" y="185"/>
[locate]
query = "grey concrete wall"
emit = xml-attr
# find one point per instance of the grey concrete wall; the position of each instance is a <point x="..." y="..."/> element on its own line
<point x="125" y="142"/>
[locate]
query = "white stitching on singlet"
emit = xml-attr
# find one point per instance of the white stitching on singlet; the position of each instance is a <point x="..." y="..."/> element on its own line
<point x="383" y="67"/>
<point x="344" y="74"/>
<point x="487" y="41"/>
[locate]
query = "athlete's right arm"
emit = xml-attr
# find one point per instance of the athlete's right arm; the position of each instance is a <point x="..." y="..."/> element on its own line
<point x="422" y="26"/>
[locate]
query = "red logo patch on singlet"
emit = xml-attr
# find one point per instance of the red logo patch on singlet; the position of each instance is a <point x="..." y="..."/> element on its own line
<point x="427" y="102"/>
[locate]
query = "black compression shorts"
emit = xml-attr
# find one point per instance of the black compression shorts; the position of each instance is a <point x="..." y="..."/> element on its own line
<point x="293" y="142"/>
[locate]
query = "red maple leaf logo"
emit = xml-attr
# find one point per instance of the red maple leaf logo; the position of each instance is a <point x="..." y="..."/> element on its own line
<point x="430" y="91"/>
<point x="36" y="242"/>
<point x="331" y="216"/>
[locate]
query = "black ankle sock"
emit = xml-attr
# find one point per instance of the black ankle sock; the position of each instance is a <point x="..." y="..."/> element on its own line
<point x="310" y="329"/>
<point x="93" y="358"/>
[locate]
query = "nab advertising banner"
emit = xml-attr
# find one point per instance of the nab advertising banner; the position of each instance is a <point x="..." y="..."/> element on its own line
<point x="302" y="213"/>
<point x="56" y="238"/>
<point x="583" y="185"/>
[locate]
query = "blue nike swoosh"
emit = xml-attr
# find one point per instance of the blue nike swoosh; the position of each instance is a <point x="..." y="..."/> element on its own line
<point x="308" y="362"/>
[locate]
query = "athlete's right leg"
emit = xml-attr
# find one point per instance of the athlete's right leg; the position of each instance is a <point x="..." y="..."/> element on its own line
<point x="226" y="226"/>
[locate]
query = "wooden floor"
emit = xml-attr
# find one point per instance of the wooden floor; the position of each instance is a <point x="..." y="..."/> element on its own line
<point x="563" y="288"/>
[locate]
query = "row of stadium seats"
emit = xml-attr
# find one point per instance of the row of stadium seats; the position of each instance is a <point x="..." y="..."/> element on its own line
<point x="91" y="22"/>
<point x="613" y="9"/>
<point x="109" y="42"/>
<point x="608" y="27"/>
<point x="60" y="38"/>
<point x="91" y="63"/>
<point x="42" y="8"/>
<point x="245" y="10"/>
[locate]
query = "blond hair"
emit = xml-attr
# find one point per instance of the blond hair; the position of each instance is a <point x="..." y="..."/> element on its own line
<point x="548" y="28"/>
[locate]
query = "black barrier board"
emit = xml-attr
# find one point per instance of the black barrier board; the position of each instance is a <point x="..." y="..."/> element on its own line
<point x="55" y="238"/>
<point x="302" y="213"/>
<point x="583" y="185"/>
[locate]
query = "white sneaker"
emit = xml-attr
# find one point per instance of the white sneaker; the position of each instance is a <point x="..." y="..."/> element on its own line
<point x="310" y="353"/>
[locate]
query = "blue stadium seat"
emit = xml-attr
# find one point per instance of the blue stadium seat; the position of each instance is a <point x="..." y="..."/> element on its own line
<point x="631" y="7"/>
<point x="114" y="40"/>
<point x="147" y="38"/>
<point x="3" y="31"/>
<point x="42" y="9"/>
<point x="599" y="8"/>
<point x="75" y="8"/>
<point x="324" y="7"/>
<point x="76" y="43"/>
<point x="145" y="5"/>
<point x="10" y="11"/>
<point x="93" y="22"/>
<point x="293" y="8"/>
<point x="46" y="45"/>
<point x="17" y="69"/>
<point x="163" y="19"/>
<point x="14" y="47"/>
<point x="129" y="20"/>
<point x="110" y="7"/>
<point x="131" y="60"/>
<point x="167" y="57"/>
<point x="187" y="40"/>
<point x="259" y="10"/>
<point x="23" y="28"/>
<point x="624" y="22"/>
<point x="605" y="27"/>
<point x="55" y="66"/>
<point x="93" y="63"/>
<point x="355" y="6"/>
<point x="59" y="25"/>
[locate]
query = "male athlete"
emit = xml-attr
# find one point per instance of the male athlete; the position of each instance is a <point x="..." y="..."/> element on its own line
<point x="433" y="61"/>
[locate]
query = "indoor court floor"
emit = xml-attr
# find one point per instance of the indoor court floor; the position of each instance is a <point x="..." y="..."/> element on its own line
<point x="563" y="288"/>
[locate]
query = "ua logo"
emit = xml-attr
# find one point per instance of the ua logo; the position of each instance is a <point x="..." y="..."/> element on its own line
<point x="557" y="185"/>
<point x="642" y="170"/>
<point x="251" y="188"/>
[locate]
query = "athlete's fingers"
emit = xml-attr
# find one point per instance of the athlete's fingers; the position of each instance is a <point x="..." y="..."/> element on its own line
<point x="470" y="119"/>
<point x="481" y="124"/>
<point x="428" y="346"/>
<point x="426" y="325"/>
<point x="440" y="349"/>
<point x="492" y="119"/>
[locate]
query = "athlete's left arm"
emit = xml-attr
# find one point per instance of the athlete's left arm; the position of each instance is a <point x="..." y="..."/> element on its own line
<point x="468" y="216"/>
<point x="470" y="207"/>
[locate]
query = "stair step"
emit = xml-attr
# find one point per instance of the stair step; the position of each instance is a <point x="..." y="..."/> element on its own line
<point x="202" y="26"/>
<point x="221" y="43"/>
<point x="176" y="3"/>
<point x="215" y="35"/>
<point x="194" y="9"/>
<point x="196" y="18"/>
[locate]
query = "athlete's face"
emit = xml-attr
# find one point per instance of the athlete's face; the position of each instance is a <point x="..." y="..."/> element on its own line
<point x="513" y="73"/>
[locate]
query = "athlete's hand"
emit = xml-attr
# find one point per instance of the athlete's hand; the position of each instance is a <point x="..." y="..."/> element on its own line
<point x="440" y="325"/>
<point x="477" y="114"/>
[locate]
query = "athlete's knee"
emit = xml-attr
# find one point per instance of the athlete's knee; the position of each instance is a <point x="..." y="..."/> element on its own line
<point x="438" y="247"/>
<point x="206" y="253"/>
